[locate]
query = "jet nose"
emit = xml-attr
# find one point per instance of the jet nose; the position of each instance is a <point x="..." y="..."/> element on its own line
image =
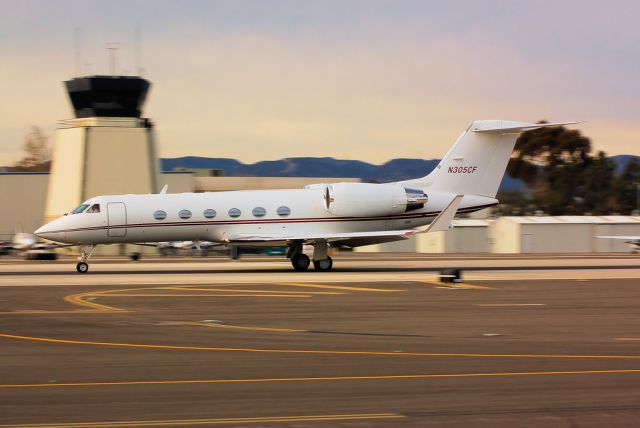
<point x="43" y="232"/>
<point x="49" y="233"/>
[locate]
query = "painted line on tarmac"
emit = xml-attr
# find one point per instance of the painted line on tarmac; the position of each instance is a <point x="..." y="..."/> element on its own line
<point x="314" y="351"/>
<point x="317" y="379"/>
<point x="211" y="295"/>
<point x="212" y="421"/>
<point x="218" y="325"/>
<point x="189" y="288"/>
<point x="338" y="287"/>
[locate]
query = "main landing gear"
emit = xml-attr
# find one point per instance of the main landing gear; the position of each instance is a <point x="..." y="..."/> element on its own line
<point x="85" y="253"/>
<point x="301" y="262"/>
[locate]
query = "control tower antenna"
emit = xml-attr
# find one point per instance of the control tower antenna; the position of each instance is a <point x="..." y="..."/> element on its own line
<point x="137" y="53"/>
<point x="78" y="51"/>
<point x="112" y="47"/>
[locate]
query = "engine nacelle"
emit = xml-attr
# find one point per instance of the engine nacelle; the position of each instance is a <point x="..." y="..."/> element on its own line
<point x="370" y="200"/>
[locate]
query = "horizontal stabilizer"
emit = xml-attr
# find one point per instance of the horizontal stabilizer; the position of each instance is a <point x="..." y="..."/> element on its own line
<point x="508" y="127"/>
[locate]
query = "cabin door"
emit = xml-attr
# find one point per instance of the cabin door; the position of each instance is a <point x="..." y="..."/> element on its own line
<point x="117" y="219"/>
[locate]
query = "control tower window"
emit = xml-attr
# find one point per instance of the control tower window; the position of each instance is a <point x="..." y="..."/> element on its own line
<point x="80" y="209"/>
<point x="95" y="208"/>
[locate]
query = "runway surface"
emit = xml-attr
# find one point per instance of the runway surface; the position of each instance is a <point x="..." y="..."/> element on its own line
<point x="370" y="345"/>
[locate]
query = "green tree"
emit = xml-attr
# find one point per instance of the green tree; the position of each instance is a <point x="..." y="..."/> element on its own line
<point x="626" y="187"/>
<point x="556" y="164"/>
<point x="596" y="186"/>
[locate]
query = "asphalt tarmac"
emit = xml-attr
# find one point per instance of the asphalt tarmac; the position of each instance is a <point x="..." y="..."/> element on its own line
<point x="250" y="344"/>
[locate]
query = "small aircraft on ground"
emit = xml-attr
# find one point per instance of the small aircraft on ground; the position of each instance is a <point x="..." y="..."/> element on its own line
<point x="339" y="214"/>
<point x="28" y="245"/>
<point x="633" y="241"/>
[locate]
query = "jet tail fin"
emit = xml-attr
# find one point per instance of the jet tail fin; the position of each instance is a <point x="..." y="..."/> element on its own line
<point x="476" y="162"/>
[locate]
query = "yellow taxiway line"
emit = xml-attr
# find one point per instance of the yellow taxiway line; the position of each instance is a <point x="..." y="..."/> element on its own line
<point x="218" y="325"/>
<point x="189" y="288"/>
<point x="338" y="287"/>
<point x="317" y="379"/>
<point x="212" y="421"/>
<point x="209" y="295"/>
<point x="315" y="351"/>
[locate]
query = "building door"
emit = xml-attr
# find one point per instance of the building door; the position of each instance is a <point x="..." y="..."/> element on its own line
<point x="117" y="217"/>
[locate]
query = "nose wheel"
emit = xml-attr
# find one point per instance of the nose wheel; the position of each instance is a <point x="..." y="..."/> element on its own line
<point x="82" y="267"/>
<point x="85" y="253"/>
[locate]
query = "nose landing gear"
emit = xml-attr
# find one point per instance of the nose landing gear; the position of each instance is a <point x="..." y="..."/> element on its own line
<point x="85" y="253"/>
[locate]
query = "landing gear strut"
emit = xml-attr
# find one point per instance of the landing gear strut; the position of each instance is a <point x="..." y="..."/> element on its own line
<point x="85" y="253"/>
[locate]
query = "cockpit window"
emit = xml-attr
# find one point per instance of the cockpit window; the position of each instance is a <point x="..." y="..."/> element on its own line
<point x="95" y="208"/>
<point x="80" y="209"/>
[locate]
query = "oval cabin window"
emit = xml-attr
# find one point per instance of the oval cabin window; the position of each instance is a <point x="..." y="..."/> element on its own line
<point x="184" y="214"/>
<point x="159" y="215"/>
<point x="209" y="213"/>
<point x="283" y="211"/>
<point x="259" y="212"/>
<point x="234" y="212"/>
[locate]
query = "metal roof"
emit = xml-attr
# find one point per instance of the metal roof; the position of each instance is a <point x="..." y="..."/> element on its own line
<point x="573" y="219"/>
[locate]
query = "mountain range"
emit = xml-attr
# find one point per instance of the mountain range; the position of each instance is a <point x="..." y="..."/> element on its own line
<point x="393" y="170"/>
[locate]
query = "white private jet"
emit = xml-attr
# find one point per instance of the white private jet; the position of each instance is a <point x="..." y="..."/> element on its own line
<point x="345" y="214"/>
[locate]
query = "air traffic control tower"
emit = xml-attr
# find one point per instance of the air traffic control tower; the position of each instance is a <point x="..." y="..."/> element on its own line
<point x="107" y="149"/>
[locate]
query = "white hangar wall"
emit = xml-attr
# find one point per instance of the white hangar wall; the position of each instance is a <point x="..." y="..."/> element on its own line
<point x="509" y="235"/>
<point x="561" y="234"/>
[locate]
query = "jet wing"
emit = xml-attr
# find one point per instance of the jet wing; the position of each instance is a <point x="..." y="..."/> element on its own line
<point x="329" y="237"/>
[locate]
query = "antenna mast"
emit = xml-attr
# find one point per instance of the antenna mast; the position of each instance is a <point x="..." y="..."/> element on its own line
<point x="112" y="47"/>
<point x="78" y="51"/>
<point x="136" y="50"/>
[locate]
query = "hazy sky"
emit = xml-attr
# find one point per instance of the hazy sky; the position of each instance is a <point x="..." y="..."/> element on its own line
<point x="370" y="80"/>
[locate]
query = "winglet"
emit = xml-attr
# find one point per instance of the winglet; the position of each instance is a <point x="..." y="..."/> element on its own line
<point x="443" y="221"/>
<point x="164" y="189"/>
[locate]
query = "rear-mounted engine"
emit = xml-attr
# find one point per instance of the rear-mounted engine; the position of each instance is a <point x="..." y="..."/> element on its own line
<point x="369" y="200"/>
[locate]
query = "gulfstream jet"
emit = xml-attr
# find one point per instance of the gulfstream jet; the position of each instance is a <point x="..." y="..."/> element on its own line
<point x="322" y="215"/>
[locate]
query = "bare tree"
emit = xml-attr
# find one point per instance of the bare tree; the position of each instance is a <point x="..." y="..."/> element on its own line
<point x="37" y="155"/>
